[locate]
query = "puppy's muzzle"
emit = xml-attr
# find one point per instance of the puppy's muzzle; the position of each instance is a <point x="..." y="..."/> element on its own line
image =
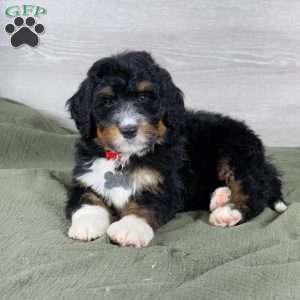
<point x="129" y="132"/>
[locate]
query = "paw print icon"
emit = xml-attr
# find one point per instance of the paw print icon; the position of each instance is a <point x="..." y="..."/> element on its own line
<point x="24" y="32"/>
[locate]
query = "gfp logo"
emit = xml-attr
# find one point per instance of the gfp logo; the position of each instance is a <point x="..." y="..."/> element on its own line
<point x="24" y="30"/>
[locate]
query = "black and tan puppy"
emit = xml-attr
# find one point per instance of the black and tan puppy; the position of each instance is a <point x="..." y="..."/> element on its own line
<point x="142" y="157"/>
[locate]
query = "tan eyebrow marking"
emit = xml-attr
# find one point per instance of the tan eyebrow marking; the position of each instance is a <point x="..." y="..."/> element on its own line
<point x="144" y="85"/>
<point x="106" y="91"/>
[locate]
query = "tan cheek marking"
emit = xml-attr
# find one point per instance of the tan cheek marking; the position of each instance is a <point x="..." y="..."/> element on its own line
<point x="145" y="128"/>
<point x="100" y="137"/>
<point x="111" y="132"/>
<point x="158" y="130"/>
<point x="161" y="129"/>
<point x="107" y="134"/>
<point x="146" y="179"/>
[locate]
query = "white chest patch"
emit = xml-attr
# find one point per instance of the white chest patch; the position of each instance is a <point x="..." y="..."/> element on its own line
<point x="103" y="178"/>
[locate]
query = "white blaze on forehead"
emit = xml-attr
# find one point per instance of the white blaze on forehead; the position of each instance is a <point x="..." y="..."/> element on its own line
<point x="127" y="115"/>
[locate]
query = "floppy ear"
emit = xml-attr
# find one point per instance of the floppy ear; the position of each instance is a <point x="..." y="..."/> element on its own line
<point x="79" y="106"/>
<point x="175" y="110"/>
<point x="174" y="102"/>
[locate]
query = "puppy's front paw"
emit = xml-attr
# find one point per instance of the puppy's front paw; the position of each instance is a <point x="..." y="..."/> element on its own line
<point x="219" y="197"/>
<point x="89" y="223"/>
<point x="225" y="216"/>
<point x="131" y="231"/>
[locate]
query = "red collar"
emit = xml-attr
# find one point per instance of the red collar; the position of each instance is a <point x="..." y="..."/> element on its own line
<point x="110" y="154"/>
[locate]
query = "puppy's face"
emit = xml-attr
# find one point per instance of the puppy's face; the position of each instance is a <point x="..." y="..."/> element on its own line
<point x="128" y="103"/>
<point x="129" y="114"/>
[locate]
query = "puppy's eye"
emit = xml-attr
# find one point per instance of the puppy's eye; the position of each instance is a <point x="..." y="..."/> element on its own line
<point x="141" y="98"/>
<point x="107" y="101"/>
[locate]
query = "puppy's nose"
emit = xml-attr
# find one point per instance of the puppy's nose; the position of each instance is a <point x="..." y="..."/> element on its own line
<point x="129" y="132"/>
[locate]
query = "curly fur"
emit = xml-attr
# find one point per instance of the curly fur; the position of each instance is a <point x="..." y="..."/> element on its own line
<point x="200" y="151"/>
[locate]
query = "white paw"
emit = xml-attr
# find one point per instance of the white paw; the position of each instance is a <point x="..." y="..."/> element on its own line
<point x="219" y="197"/>
<point x="131" y="231"/>
<point x="89" y="222"/>
<point x="225" y="216"/>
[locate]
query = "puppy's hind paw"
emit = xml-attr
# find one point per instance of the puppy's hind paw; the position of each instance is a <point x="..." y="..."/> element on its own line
<point x="225" y="216"/>
<point x="219" y="197"/>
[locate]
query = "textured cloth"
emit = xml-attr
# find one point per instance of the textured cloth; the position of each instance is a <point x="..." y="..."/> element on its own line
<point x="188" y="259"/>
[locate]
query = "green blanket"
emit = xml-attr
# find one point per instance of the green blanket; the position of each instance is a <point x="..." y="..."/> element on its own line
<point x="188" y="259"/>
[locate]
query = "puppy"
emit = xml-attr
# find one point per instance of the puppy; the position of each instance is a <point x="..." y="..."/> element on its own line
<point x="142" y="157"/>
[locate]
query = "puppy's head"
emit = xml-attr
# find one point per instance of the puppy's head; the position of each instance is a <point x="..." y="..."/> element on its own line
<point x="128" y="103"/>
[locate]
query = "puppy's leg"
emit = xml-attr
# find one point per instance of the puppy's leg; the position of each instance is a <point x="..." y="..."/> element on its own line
<point x="228" y="205"/>
<point x="135" y="228"/>
<point x="242" y="167"/>
<point x="251" y="189"/>
<point x="141" y="216"/>
<point x="89" y="214"/>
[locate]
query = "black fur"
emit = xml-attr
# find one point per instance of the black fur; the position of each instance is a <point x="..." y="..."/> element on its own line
<point x="192" y="148"/>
